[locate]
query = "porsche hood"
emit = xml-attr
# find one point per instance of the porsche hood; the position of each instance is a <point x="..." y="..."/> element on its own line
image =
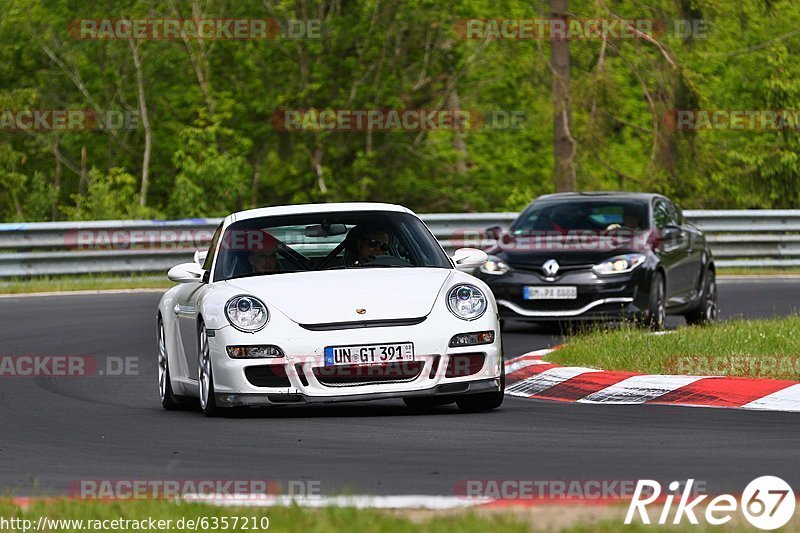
<point x="348" y="295"/>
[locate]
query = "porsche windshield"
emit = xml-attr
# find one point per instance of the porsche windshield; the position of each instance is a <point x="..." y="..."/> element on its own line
<point x="325" y="241"/>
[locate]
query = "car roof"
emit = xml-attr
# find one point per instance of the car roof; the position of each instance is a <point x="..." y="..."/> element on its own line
<point x="600" y="194"/>
<point x="317" y="208"/>
<point x="605" y="195"/>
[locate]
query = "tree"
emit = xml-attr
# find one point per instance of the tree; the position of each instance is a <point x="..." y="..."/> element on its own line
<point x="564" y="143"/>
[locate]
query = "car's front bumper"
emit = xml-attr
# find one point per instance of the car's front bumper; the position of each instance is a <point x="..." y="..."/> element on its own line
<point x="618" y="296"/>
<point x="289" y="398"/>
<point x="302" y="377"/>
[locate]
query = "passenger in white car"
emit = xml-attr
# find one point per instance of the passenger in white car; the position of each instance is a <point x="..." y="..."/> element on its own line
<point x="264" y="258"/>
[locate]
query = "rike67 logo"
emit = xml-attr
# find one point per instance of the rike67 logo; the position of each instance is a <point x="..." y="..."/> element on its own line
<point x="767" y="502"/>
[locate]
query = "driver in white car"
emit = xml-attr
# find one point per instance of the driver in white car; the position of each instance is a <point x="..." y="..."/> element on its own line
<point x="370" y="244"/>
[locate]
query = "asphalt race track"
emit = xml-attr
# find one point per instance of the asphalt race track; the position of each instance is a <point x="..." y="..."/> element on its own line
<point x="56" y="430"/>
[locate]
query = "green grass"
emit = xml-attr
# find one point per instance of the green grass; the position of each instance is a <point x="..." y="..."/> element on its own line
<point x="280" y="518"/>
<point x="83" y="283"/>
<point x="752" y="348"/>
<point x="568" y="519"/>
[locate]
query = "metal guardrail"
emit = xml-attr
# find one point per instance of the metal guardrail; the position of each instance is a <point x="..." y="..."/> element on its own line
<point x="742" y="238"/>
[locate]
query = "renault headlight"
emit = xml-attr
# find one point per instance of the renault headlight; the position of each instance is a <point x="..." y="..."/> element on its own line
<point x="619" y="264"/>
<point x="246" y="313"/>
<point x="495" y="266"/>
<point x="467" y="302"/>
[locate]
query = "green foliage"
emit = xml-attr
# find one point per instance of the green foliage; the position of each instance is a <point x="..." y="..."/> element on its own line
<point x="40" y="195"/>
<point x="211" y="180"/>
<point x="216" y="149"/>
<point x="110" y="196"/>
<point x="774" y="169"/>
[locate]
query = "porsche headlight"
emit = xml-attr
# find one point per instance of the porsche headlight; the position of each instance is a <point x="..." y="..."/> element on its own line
<point x="619" y="264"/>
<point x="466" y="302"/>
<point x="495" y="266"/>
<point x="246" y="313"/>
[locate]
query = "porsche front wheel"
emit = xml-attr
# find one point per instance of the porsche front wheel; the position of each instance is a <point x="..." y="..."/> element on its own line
<point x="484" y="401"/>
<point x="168" y="399"/>
<point x="208" y="402"/>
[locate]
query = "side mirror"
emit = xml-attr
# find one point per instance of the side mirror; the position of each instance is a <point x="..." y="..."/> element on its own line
<point x="200" y="257"/>
<point x="186" y="273"/>
<point x="494" y="233"/>
<point x="674" y="238"/>
<point x="671" y="232"/>
<point x="467" y="259"/>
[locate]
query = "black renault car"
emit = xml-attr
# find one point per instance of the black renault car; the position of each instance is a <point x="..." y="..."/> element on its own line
<point x="602" y="256"/>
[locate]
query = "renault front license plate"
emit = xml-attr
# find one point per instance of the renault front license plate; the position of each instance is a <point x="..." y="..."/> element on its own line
<point x="551" y="293"/>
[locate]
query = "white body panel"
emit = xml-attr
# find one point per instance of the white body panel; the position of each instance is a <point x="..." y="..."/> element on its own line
<point x="295" y="300"/>
<point x="385" y="293"/>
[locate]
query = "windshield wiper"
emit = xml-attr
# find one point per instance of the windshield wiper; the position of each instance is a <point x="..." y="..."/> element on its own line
<point x="251" y="274"/>
<point x="339" y="267"/>
<point x="365" y="265"/>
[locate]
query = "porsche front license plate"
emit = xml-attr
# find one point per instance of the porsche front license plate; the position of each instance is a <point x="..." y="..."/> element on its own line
<point x="550" y="293"/>
<point x="369" y="354"/>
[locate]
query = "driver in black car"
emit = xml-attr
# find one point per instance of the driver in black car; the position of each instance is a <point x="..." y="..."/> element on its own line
<point x="631" y="220"/>
<point x="371" y="243"/>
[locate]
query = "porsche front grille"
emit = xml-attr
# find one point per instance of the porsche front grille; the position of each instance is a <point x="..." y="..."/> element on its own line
<point x="357" y="324"/>
<point x="352" y="375"/>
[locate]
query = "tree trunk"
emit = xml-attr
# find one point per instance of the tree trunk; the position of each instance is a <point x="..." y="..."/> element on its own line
<point x="56" y="183"/>
<point x="563" y="142"/>
<point x="459" y="144"/>
<point x="83" y="183"/>
<point x="316" y="164"/>
<point x="259" y="157"/>
<point x="148" y="134"/>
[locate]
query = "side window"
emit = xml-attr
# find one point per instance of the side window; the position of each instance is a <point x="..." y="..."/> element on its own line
<point x="528" y="221"/>
<point x="661" y="215"/>
<point x="677" y="214"/>
<point x="212" y="249"/>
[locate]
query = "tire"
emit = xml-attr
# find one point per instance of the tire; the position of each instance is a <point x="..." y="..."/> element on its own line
<point x="208" y="402"/>
<point x="707" y="311"/>
<point x="656" y="315"/>
<point x="485" y="401"/>
<point x="169" y="401"/>
<point x="422" y="403"/>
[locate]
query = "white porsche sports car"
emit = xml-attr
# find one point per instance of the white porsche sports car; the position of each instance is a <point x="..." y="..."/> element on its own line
<point x="324" y="303"/>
